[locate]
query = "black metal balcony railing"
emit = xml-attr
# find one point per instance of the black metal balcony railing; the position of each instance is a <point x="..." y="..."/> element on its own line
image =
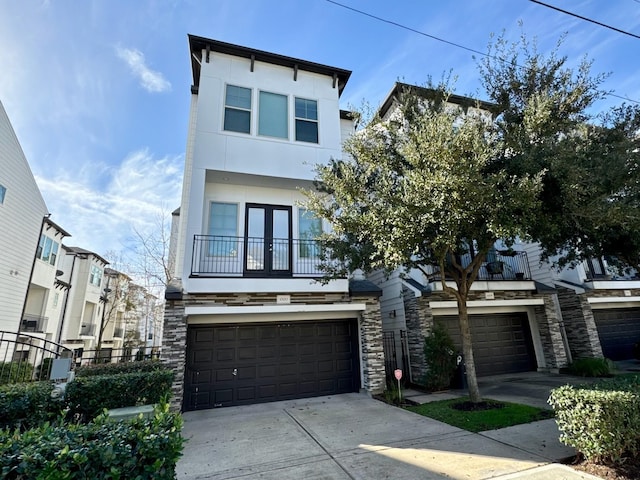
<point x="225" y="256"/>
<point x="33" y="323"/>
<point x="501" y="265"/>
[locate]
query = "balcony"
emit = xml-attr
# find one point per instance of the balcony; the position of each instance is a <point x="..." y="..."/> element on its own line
<point x="225" y="256"/>
<point x="33" y="323"/>
<point x="499" y="265"/>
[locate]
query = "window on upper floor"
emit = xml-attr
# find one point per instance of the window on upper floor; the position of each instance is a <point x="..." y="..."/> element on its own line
<point x="223" y="227"/>
<point x="309" y="228"/>
<point x="3" y="191"/>
<point x="95" y="276"/>
<point x="273" y="115"/>
<point x="47" y="249"/>
<point x="237" y="111"/>
<point x="306" y="120"/>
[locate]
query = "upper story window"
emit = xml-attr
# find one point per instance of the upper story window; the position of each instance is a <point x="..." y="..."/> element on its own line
<point x="273" y="115"/>
<point x="3" y="191"/>
<point x="237" y="109"/>
<point x="95" y="276"/>
<point x="306" y="120"/>
<point x="47" y="250"/>
<point x="223" y="225"/>
<point x="309" y="228"/>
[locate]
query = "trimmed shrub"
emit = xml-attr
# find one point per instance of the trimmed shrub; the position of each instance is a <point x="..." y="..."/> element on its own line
<point x="600" y="421"/>
<point x="14" y="372"/>
<point x="116" y="368"/>
<point x="88" y="396"/>
<point x="141" y="448"/>
<point x="439" y="352"/>
<point x="25" y="405"/>
<point x="591" y="367"/>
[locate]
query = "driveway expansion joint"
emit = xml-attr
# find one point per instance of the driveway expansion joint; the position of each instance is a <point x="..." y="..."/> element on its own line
<point x="334" y="459"/>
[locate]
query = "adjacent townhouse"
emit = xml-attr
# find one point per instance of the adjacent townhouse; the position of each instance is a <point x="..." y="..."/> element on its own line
<point x="22" y="215"/>
<point x="83" y="303"/>
<point x="246" y="319"/>
<point x="600" y="305"/>
<point x="515" y="323"/>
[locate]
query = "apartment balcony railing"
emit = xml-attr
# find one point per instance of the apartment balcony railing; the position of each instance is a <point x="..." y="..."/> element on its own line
<point x="88" y="329"/>
<point x="501" y="265"/>
<point x="33" y="323"/>
<point x="225" y="256"/>
<point x="118" y="332"/>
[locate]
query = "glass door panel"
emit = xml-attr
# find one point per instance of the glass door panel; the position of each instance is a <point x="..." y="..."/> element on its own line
<point x="268" y="240"/>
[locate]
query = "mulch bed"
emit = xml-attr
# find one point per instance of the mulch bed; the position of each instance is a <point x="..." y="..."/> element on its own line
<point x="629" y="470"/>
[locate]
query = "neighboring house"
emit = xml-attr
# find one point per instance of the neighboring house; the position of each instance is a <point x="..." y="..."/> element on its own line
<point x="600" y="307"/>
<point x="22" y="212"/>
<point x="515" y="324"/>
<point x="45" y="295"/>
<point x="83" y="303"/>
<point x="246" y="320"/>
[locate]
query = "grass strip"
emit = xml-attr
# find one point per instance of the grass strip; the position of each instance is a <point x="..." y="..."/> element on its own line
<point x="500" y="415"/>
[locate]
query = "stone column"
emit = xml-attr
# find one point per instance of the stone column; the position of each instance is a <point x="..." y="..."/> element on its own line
<point x="580" y="325"/>
<point x="372" y="351"/>
<point x="174" y="343"/>
<point x="549" y="325"/>
<point x="419" y="321"/>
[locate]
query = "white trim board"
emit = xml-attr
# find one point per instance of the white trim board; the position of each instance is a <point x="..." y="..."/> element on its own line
<point x="191" y="310"/>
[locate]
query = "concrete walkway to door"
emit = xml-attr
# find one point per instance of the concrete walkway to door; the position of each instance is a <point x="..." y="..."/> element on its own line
<point x="346" y="437"/>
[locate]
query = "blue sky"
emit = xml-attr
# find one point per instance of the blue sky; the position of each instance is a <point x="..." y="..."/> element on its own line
<point x="98" y="90"/>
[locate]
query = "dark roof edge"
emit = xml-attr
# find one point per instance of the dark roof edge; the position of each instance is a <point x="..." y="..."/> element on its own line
<point x="62" y="231"/>
<point x="358" y="288"/>
<point x="453" y="98"/>
<point x="197" y="44"/>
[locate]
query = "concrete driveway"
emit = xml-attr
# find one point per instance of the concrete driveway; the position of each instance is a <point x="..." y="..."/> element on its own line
<point x="347" y="436"/>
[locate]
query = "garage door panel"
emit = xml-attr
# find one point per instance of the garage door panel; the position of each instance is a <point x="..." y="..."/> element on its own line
<point x="619" y="330"/>
<point x="501" y="342"/>
<point x="271" y="361"/>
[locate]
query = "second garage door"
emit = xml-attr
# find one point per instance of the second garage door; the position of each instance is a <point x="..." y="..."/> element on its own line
<point x="244" y="364"/>
<point x="501" y="342"/>
<point x="618" y="330"/>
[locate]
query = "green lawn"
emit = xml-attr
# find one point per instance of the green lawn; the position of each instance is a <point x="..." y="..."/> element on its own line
<point x="480" y="420"/>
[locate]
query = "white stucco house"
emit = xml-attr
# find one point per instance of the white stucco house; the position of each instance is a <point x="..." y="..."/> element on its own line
<point x="246" y="320"/>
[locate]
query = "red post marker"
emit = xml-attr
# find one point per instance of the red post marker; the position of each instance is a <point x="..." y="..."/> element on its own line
<point x="398" y="374"/>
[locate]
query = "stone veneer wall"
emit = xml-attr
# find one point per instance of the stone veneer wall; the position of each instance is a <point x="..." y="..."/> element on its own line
<point x="174" y="346"/>
<point x="580" y="325"/>
<point x="372" y="350"/>
<point x="419" y="322"/>
<point x="550" y="328"/>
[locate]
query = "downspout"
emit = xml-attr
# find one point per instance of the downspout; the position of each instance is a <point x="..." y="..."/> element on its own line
<point x="33" y="266"/>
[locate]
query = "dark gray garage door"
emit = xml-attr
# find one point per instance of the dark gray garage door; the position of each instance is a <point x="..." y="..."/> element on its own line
<point x="501" y="342"/>
<point x="618" y="330"/>
<point x="245" y="364"/>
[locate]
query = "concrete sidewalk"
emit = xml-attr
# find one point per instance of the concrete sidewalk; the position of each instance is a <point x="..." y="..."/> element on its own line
<point x="355" y="437"/>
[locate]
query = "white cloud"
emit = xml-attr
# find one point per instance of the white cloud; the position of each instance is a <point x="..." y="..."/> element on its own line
<point x="133" y="195"/>
<point x="150" y="80"/>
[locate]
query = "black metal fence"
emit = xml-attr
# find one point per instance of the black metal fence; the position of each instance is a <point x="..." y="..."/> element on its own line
<point x="391" y="359"/>
<point x="27" y="358"/>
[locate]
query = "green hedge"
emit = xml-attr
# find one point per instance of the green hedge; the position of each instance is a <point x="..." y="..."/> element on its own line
<point x="116" y="368"/>
<point x="13" y="372"/>
<point x="88" y="396"/>
<point x="26" y="405"/>
<point x="601" y="421"/>
<point x="103" y="449"/>
<point x="592" y="367"/>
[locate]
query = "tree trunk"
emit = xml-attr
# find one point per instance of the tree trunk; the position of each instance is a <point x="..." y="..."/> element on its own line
<point x="467" y="348"/>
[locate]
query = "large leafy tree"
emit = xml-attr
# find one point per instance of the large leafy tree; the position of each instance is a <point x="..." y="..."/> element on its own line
<point x="547" y="122"/>
<point x="421" y="188"/>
